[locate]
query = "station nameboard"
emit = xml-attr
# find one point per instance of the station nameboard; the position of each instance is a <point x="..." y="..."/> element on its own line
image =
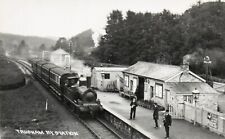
<point x="212" y="120"/>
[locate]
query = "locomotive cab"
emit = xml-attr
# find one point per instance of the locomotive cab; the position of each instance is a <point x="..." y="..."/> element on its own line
<point x="71" y="81"/>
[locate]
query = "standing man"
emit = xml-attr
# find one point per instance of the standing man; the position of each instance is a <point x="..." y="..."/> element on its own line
<point x="133" y="105"/>
<point x="167" y="122"/>
<point x="156" y="114"/>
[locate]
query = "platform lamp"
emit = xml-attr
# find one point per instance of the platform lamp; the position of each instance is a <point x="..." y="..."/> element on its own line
<point x="195" y="94"/>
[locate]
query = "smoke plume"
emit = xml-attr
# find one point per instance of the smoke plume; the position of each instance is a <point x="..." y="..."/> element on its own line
<point x="96" y="36"/>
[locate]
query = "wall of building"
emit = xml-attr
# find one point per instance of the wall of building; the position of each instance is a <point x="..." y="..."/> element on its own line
<point x="62" y="60"/>
<point x="128" y="89"/>
<point x="147" y="91"/>
<point x="213" y="120"/>
<point x="112" y="84"/>
<point x="176" y="104"/>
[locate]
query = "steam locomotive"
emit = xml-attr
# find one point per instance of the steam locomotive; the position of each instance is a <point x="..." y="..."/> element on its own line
<point x="65" y="84"/>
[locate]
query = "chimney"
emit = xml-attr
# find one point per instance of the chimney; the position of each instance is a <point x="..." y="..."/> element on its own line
<point x="185" y="65"/>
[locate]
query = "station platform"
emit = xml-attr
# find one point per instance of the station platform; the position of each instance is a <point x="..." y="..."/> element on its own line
<point x="180" y="129"/>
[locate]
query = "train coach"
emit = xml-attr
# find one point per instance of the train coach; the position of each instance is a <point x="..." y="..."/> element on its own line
<point x="65" y="84"/>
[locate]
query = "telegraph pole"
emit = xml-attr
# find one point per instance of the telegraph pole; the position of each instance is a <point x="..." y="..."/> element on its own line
<point x="70" y="45"/>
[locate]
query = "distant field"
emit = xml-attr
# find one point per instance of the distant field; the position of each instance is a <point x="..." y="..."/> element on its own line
<point x="10" y="75"/>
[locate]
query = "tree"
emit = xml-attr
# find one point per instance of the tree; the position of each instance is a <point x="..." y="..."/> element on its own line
<point x="112" y="40"/>
<point x="42" y="47"/>
<point x="62" y="43"/>
<point x="23" y="49"/>
<point x="165" y="37"/>
<point x="128" y="40"/>
<point x="2" y="51"/>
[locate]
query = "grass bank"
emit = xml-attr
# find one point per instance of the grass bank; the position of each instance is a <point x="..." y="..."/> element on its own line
<point x="10" y="75"/>
<point x="24" y="108"/>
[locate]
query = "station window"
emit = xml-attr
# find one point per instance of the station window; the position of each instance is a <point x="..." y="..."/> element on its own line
<point x="159" y="90"/>
<point x="188" y="98"/>
<point x="131" y="85"/>
<point x="105" y="76"/>
<point x="145" y="87"/>
<point x="57" y="79"/>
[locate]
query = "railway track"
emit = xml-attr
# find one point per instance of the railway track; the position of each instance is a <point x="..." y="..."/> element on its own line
<point x="100" y="129"/>
<point x="96" y="126"/>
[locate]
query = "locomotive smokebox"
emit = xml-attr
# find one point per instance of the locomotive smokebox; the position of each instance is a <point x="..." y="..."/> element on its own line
<point x="89" y="97"/>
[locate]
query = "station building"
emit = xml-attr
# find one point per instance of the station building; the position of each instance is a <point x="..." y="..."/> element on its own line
<point x="107" y="78"/>
<point x="60" y="58"/>
<point x="168" y="85"/>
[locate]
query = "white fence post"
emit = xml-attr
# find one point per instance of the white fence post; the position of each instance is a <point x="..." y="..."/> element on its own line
<point x="46" y="105"/>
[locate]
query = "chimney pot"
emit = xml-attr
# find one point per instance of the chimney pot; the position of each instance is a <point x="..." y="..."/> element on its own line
<point x="185" y="66"/>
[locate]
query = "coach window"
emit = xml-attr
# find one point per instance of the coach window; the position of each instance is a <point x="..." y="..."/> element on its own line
<point x="159" y="90"/>
<point x="126" y="78"/>
<point x="58" y="79"/>
<point x="50" y="75"/>
<point x="54" y="77"/>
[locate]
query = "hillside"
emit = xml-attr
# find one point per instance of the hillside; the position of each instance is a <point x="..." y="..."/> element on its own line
<point x="12" y="40"/>
<point x="83" y="43"/>
<point x="84" y="39"/>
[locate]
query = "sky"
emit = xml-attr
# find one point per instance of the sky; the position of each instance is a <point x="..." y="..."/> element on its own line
<point x="67" y="18"/>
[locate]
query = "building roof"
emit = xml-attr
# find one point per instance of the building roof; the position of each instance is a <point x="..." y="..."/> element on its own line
<point x="188" y="87"/>
<point x="153" y="70"/>
<point x="109" y="69"/>
<point x="219" y="86"/>
<point x="59" y="51"/>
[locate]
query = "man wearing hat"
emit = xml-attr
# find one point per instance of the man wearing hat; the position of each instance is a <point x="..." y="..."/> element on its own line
<point x="156" y="114"/>
<point x="133" y="105"/>
<point x="167" y="122"/>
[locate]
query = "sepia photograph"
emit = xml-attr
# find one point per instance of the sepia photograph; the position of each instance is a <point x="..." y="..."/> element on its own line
<point x="112" y="69"/>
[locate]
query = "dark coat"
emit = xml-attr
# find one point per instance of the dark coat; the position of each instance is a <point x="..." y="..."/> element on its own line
<point x="167" y="120"/>
<point x="134" y="104"/>
<point x="156" y="113"/>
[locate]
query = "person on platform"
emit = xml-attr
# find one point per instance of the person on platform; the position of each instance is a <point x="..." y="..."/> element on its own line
<point x="133" y="105"/>
<point x="156" y="114"/>
<point x="167" y="122"/>
<point x="82" y="81"/>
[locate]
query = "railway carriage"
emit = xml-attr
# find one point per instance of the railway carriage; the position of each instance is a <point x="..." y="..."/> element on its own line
<point x="65" y="85"/>
<point x="34" y="64"/>
<point x="46" y="72"/>
<point x="60" y="78"/>
<point x="39" y="67"/>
